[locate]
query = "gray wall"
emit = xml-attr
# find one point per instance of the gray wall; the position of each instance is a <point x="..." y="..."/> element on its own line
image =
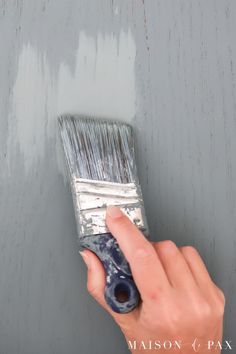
<point x="169" y="68"/>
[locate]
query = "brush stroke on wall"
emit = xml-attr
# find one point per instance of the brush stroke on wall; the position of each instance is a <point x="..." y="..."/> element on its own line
<point x="168" y="67"/>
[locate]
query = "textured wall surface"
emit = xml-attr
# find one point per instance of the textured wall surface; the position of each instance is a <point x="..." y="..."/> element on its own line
<point x="169" y="68"/>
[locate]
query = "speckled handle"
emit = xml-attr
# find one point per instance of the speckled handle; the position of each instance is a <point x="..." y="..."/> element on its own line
<point x="121" y="293"/>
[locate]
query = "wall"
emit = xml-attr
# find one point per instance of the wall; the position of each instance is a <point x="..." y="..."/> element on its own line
<point x="166" y="66"/>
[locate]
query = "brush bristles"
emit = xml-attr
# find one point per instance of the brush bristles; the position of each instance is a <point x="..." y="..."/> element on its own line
<point x="98" y="149"/>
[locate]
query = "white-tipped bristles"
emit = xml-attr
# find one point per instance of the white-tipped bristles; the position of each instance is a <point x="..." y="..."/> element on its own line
<point x="99" y="149"/>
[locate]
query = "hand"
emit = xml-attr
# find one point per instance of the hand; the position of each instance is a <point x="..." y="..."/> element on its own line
<point x="179" y="304"/>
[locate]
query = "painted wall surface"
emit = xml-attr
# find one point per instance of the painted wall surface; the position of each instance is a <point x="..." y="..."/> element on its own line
<point x="166" y="66"/>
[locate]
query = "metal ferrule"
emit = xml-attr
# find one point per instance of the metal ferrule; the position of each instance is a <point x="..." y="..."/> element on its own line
<point x="91" y="198"/>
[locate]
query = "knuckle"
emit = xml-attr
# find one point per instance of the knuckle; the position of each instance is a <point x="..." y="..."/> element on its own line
<point x="219" y="311"/>
<point x="144" y="254"/>
<point x="93" y="290"/>
<point x="204" y="313"/>
<point x="221" y="296"/>
<point x="190" y="250"/>
<point x="166" y="245"/>
<point x="220" y="304"/>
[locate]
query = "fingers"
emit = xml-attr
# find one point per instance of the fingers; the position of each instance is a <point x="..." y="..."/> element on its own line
<point x="96" y="277"/>
<point x="96" y="281"/>
<point x="175" y="265"/>
<point x="203" y="278"/>
<point x="145" y="264"/>
<point x="196" y="265"/>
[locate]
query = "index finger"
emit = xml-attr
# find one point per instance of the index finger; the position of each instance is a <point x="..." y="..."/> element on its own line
<point x="147" y="270"/>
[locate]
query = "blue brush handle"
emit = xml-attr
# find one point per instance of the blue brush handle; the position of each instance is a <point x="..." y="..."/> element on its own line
<point x="121" y="293"/>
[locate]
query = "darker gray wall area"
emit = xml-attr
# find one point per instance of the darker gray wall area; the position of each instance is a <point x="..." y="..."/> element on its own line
<point x="185" y="127"/>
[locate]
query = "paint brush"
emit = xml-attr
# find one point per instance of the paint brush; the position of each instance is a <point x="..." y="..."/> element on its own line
<point x="100" y="156"/>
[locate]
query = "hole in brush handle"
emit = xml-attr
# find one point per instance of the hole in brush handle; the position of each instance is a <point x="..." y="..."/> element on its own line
<point x="121" y="293"/>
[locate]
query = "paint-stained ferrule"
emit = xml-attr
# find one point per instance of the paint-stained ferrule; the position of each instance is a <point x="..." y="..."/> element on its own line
<point x="91" y="198"/>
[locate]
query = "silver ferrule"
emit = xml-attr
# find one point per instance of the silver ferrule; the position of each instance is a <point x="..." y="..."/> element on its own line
<point x="92" y="197"/>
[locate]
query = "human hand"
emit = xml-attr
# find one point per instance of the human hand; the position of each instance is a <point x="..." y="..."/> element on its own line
<point x="180" y="305"/>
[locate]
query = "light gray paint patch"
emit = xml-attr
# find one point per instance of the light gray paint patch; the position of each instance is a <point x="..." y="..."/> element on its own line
<point x="102" y="84"/>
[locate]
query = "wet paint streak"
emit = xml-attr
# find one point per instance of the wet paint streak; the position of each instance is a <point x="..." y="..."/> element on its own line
<point x="102" y="84"/>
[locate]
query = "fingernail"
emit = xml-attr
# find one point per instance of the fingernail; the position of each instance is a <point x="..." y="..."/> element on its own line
<point x="85" y="258"/>
<point x="114" y="212"/>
